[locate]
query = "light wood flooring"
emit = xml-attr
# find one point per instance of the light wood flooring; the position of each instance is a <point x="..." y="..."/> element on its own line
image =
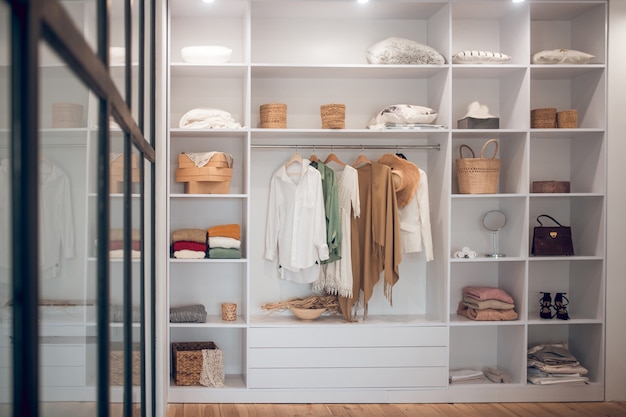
<point x="594" y="409"/>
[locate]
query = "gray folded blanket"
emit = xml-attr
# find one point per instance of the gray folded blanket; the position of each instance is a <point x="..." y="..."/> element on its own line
<point x="116" y="313"/>
<point x="195" y="313"/>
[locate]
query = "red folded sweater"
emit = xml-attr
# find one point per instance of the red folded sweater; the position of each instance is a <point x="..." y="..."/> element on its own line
<point x="185" y="244"/>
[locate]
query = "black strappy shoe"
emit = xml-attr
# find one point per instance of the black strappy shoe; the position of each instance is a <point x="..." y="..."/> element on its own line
<point x="545" y="312"/>
<point x="560" y="307"/>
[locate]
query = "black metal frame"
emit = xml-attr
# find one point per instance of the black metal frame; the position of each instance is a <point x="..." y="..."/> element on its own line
<point x="32" y="21"/>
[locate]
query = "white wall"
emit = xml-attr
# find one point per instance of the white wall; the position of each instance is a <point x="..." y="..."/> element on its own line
<point x="616" y="202"/>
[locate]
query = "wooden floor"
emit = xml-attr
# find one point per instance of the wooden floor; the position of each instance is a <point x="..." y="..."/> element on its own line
<point x="596" y="409"/>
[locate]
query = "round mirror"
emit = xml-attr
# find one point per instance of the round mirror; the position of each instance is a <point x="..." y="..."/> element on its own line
<point x="494" y="220"/>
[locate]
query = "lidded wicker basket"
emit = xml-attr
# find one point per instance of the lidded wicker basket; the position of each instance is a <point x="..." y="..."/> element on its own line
<point x="274" y="116"/>
<point x="567" y="119"/>
<point x="543" y="118"/>
<point x="333" y="116"/>
<point x="478" y="175"/>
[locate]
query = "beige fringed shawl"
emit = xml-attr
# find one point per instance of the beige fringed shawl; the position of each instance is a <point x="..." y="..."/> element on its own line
<point x="375" y="238"/>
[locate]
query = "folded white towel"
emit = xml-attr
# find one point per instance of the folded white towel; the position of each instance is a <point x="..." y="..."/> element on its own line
<point x="189" y="254"/>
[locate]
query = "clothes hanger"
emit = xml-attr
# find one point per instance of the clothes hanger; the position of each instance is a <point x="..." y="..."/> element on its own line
<point x="313" y="157"/>
<point x="333" y="158"/>
<point x="361" y="159"/>
<point x="296" y="157"/>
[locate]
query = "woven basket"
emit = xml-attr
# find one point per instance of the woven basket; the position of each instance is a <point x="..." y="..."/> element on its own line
<point x="67" y="115"/>
<point x="333" y="116"/>
<point x="116" y="364"/>
<point x="274" y="116"/>
<point x="567" y="119"/>
<point x="187" y="361"/>
<point x="229" y="311"/>
<point x="478" y="175"/>
<point x="543" y="118"/>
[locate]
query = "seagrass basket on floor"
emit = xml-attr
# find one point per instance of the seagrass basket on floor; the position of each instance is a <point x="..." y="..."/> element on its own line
<point x="567" y="119"/>
<point x="273" y="116"/>
<point x="333" y="116"/>
<point x="478" y="175"/>
<point x="116" y="363"/>
<point x="543" y="118"/>
<point x="187" y="361"/>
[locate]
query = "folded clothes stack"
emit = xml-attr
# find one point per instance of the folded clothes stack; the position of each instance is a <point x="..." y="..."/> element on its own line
<point x="554" y="364"/>
<point x="224" y="241"/>
<point x="189" y="243"/>
<point x="486" y="304"/>
<point x="116" y="243"/>
<point x="466" y="376"/>
<point x="194" y="313"/>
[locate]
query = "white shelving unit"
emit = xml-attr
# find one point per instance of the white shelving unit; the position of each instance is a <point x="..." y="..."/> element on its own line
<point x="309" y="53"/>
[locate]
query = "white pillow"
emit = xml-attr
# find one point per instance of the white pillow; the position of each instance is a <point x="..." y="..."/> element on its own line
<point x="402" y="51"/>
<point x="479" y="57"/>
<point x="561" y="56"/>
<point x="402" y="113"/>
<point x="208" y="118"/>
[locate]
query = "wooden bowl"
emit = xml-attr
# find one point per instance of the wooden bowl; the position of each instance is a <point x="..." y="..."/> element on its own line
<point x="307" y="314"/>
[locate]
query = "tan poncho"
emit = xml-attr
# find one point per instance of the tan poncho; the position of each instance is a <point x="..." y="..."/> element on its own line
<point x="375" y="238"/>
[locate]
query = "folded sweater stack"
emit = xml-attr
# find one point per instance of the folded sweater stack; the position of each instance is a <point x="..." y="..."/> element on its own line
<point x="224" y="241"/>
<point x="554" y="364"/>
<point x="116" y="243"/>
<point x="189" y="243"/>
<point x="487" y="304"/>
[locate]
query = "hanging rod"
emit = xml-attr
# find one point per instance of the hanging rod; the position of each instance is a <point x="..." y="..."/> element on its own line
<point x="436" y="147"/>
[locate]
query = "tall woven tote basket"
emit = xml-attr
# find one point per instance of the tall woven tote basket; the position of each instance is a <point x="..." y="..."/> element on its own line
<point x="478" y="175"/>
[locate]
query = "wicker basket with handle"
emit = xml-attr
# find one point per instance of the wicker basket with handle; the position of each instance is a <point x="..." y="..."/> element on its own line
<point x="478" y="175"/>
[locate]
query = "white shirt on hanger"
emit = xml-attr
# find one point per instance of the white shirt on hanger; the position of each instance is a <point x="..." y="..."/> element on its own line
<point x="296" y="226"/>
<point x="415" y="231"/>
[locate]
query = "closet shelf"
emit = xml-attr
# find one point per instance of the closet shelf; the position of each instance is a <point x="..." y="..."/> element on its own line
<point x="309" y="146"/>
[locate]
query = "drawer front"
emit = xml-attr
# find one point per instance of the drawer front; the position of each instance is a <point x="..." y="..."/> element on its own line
<point x="347" y="357"/>
<point x="346" y="336"/>
<point x="63" y="376"/>
<point x="62" y="355"/>
<point x="348" y="378"/>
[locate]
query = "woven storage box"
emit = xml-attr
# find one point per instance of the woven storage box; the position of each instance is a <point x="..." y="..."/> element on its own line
<point x="333" y="116"/>
<point x="551" y="187"/>
<point x="212" y="178"/>
<point x="187" y="363"/>
<point x="567" y="119"/>
<point x="67" y="115"/>
<point x="543" y="118"/>
<point x="116" y="172"/>
<point x="116" y="363"/>
<point x="229" y="311"/>
<point x="274" y="116"/>
<point x="478" y="175"/>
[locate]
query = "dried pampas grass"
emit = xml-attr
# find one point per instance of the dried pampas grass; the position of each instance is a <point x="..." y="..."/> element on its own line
<point x="329" y="302"/>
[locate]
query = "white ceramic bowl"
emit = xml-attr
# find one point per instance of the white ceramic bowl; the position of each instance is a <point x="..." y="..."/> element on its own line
<point x="206" y="54"/>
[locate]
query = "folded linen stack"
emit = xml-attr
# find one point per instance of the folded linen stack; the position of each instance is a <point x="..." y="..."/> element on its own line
<point x="195" y="313"/>
<point x="116" y="243"/>
<point x="466" y="376"/>
<point x="486" y="304"/>
<point x="189" y="243"/>
<point x="224" y="241"/>
<point x="554" y="364"/>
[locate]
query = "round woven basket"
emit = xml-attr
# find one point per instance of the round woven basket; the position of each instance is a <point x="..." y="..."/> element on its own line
<point x="333" y="116"/>
<point x="567" y="119"/>
<point x="543" y="118"/>
<point x="229" y="311"/>
<point x="274" y="116"/>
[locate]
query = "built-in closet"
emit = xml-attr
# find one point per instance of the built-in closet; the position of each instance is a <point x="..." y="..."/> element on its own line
<point x="309" y="53"/>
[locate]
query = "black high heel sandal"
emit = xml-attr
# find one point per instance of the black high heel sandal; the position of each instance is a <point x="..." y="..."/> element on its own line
<point x="560" y="307"/>
<point x="545" y="312"/>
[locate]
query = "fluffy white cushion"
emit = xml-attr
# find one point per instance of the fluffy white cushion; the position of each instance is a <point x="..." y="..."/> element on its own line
<point x="479" y="57"/>
<point x="208" y="118"/>
<point x="402" y="113"/>
<point x="561" y="56"/>
<point x="402" y="51"/>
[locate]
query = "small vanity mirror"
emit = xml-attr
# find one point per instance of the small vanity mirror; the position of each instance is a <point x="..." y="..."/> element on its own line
<point x="494" y="221"/>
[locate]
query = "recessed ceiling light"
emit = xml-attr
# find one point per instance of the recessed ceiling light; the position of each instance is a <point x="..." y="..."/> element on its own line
<point x="362" y="1"/>
<point x="208" y="1"/>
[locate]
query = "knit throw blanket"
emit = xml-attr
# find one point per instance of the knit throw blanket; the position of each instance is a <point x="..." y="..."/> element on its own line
<point x="188" y="314"/>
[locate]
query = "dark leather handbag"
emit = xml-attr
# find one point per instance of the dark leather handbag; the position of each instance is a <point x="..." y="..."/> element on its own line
<point x="552" y="240"/>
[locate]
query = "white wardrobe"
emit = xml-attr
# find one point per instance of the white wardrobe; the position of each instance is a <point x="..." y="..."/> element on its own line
<point x="309" y="53"/>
